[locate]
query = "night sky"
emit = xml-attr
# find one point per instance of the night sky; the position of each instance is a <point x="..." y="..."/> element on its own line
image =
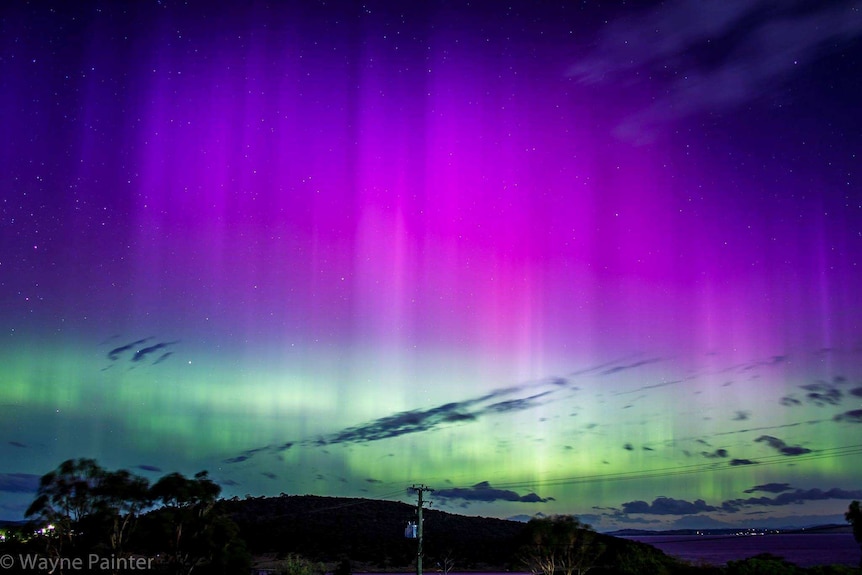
<point x="568" y="257"/>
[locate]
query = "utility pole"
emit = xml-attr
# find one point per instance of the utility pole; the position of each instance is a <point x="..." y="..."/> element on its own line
<point x="419" y="489"/>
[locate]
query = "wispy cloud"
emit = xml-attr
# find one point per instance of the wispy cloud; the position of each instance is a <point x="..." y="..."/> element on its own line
<point x="497" y="402"/>
<point x="822" y="393"/>
<point x="163" y="357"/>
<point x="115" y="353"/>
<point x="653" y="386"/>
<point x="403" y="423"/>
<point x="789" y="401"/>
<point x="141" y="353"/>
<point x="19" y="482"/>
<point x="619" y="368"/>
<point x="237" y="459"/>
<point x="712" y="55"/>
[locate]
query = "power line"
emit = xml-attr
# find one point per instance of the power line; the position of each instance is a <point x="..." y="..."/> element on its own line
<point x="680" y="470"/>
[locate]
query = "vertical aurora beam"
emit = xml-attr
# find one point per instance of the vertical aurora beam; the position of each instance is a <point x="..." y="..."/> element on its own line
<point x="350" y="222"/>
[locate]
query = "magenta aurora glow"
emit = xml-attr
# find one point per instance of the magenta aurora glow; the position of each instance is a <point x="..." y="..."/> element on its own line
<point x="544" y="259"/>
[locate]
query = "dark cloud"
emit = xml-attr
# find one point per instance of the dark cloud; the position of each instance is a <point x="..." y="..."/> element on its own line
<point x="484" y="492"/>
<point x="822" y="393"/>
<point x="795" y="497"/>
<point x="781" y="446"/>
<point x="19" y="482"/>
<point x="712" y="55"/>
<point x="652" y="386"/>
<point x="238" y="459"/>
<point x="667" y="506"/>
<point x="145" y="351"/>
<point x="18" y="444"/>
<point x="149" y="468"/>
<point x="404" y="423"/>
<point x="619" y="368"/>
<point x="741" y="415"/>
<point x="853" y="416"/>
<point x="496" y="402"/>
<point x="770" y="488"/>
<point x="269" y="474"/>
<point x="774" y="360"/>
<point x="628" y="447"/>
<point x="717" y="454"/>
<point x="789" y="401"/>
<point x="419" y="420"/>
<point x="737" y="462"/>
<point x="163" y="357"/>
<point x="114" y="354"/>
<point x="856" y="391"/>
<point x="513" y="404"/>
<point x="370" y="480"/>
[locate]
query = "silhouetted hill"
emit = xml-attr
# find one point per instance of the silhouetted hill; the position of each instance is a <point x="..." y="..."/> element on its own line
<point x="370" y="534"/>
<point x="368" y="531"/>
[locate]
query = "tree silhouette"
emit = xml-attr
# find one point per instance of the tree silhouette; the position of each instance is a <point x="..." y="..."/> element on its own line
<point x="90" y="509"/>
<point x="64" y="499"/>
<point x="120" y="498"/>
<point x="560" y="544"/>
<point x="854" y="517"/>
<point x="189" y="518"/>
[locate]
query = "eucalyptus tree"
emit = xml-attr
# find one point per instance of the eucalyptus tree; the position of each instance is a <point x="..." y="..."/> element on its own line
<point x="121" y="497"/>
<point x="560" y="544"/>
<point x="65" y="498"/>
<point x="188" y="514"/>
<point x="854" y="517"/>
<point x="81" y="501"/>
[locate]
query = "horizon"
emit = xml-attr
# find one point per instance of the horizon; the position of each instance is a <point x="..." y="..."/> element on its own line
<point x="789" y="528"/>
<point x="586" y="260"/>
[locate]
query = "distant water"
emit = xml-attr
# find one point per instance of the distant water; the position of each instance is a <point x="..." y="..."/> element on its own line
<point x="803" y="550"/>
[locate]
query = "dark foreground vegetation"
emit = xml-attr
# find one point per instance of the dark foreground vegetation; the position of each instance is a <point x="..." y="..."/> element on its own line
<point x="86" y="519"/>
